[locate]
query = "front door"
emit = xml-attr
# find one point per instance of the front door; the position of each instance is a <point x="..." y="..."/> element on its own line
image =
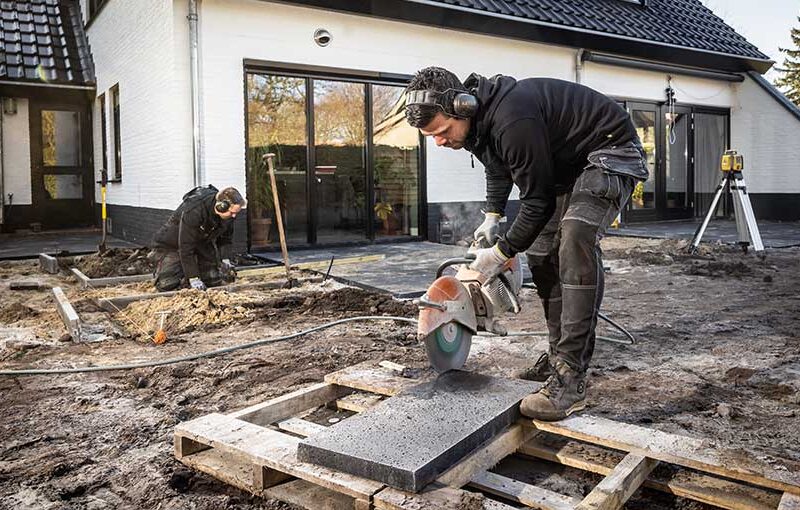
<point x="61" y="173"/>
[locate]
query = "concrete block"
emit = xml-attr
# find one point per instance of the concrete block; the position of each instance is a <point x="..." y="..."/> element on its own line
<point x="68" y="314"/>
<point x="48" y="264"/>
<point x="26" y="285"/>
<point x="408" y="440"/>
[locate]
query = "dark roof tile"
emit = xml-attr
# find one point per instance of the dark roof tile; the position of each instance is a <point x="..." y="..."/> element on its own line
<point x="685" y="23"/>
<point x="44" y="40"/>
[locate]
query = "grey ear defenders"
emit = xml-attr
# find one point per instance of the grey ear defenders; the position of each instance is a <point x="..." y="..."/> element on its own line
<point x="464" y="105"/>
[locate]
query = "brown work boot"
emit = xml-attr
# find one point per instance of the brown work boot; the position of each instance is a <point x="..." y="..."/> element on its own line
<point x="540" y="371"/>
<point x="563" y="394"/>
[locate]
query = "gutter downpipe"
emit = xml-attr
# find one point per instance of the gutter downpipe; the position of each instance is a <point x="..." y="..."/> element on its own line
<point x="2" y="168"/>
<point x="194" y="79"/>
<point x="580" y="56"/>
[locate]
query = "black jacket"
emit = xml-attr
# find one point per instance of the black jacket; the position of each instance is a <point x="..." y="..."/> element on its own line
<point x="196" y="231"/>
<point x="537" y="133"/>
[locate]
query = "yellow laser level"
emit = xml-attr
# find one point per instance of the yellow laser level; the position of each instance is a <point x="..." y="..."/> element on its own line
<point x="732" y="161"/>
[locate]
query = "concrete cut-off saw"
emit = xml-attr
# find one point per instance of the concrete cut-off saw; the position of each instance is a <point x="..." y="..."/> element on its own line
<point x="457" y="306"/>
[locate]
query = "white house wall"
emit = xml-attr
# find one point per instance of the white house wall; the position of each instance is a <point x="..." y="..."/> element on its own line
<point x="769" y="138"/>
<point x="133" y="45"/>
<point x="17" y="155"/>
<point x="233" y="30"/>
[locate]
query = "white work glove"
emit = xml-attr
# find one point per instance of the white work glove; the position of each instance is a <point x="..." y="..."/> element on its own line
<point x="489" y="261"/>
<point x="197" y="284"/>
<point x="227" y="266"/>
<point x="489" y="228"/>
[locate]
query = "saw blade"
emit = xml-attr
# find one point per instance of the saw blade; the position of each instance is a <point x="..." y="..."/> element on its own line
<point x="448" y="346"/>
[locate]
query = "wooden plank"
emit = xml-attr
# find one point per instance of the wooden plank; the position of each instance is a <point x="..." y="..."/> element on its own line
<point x="290" y="404"/>
<point x="367" y="377"/>
<point x="87" y="282"/>
<point x="82" y="278"/>
<point x="529" y="495"/>
<point x="269" y="448"/>
<point x="615" y="489"/>
<point x="358" y="402"/>
<point x="48" y="264"/>
<point x="302" y="428"/>
<point x="183" y="447"/>
<point x="27" y="285"/>
<point x="681" y="482"/>
<point x="307" y="495"/>
<point x="434" y="498"/>
<point x="485" y="457"/>
<point x="210" y="462"/>
<point x="782" y="474"/>
<point x="68" y="314"/>
<point x="789" y="502"/>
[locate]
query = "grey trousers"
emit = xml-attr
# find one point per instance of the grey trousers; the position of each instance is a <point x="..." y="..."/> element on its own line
<point x="169" y="272"/>
<point x="566" y="259"/>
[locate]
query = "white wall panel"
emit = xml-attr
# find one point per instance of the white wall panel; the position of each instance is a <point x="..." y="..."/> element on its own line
<point x="134" y="45"/>
<point x="769" y="138"/>
<point x="17" y="155"/>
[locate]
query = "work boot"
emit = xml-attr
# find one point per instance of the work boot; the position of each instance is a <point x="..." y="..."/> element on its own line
<point x="541" y="371"/>
<point x="562" y="394"/>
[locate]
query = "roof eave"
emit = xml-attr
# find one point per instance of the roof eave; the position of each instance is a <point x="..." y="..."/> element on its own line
<point x="429" y="13"/>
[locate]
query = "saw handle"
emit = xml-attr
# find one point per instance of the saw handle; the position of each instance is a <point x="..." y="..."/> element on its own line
<point x="452" y="262"/>
<point x="501" y="276"/>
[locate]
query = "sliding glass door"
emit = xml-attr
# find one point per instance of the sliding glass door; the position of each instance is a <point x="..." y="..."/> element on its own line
<point x="347" y="163"/>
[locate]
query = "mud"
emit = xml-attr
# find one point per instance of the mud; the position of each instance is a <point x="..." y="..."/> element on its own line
<point x="112" y="262"/>
<point x="717" y="358"/>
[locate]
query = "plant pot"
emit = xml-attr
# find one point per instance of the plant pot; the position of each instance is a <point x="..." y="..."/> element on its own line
<point x="259" y="231"/>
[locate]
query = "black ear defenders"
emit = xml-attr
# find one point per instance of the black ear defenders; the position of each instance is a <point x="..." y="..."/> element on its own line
<point x="464" y="105"/>
<point x="222" y="206"/>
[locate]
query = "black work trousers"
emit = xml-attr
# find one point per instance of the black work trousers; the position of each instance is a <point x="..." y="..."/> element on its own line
<point x="566" y="259"/>
<point x="170" y="276"/>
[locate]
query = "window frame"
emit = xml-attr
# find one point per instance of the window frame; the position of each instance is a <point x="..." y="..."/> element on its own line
<point x="366" y="78"/>
<point x="103" y="129"/>
<point x="117" y="137"/>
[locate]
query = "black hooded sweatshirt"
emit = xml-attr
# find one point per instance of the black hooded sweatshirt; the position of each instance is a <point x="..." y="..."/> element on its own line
<point x="196" y="231"/>
<point x="537" y="133"/>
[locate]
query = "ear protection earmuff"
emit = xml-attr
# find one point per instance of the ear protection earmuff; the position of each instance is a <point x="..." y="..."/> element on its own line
<point x="222" y="206"/>
<point x="464" y="105"/>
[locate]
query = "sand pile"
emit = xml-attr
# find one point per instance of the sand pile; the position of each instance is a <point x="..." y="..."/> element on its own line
<point x="189" y="310"/>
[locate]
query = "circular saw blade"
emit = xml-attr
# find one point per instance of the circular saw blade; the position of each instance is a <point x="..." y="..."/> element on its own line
<point x="448" y="346"/>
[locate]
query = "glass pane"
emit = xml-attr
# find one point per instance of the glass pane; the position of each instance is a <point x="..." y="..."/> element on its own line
<point x="276" y="122"/>
<point x="711" y="135"/>
<point x="340" y="150"/>
<point x="644" y="195"/>
<point x="396" y="165"/>
<point x="61" y="138"/>
<point x="63" y="186"/>
<point x="677" y="160"/>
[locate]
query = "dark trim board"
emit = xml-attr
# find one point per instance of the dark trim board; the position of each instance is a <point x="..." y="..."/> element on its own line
<point x="776" y="206"/>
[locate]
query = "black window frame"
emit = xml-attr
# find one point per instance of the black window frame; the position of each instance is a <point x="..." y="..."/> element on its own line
<point x="311" y="73"/>
<point x="103" y="129"/>
<point x="660" y="213"/>
<point x="93" y="8"/>
<point x="115" y="116"/>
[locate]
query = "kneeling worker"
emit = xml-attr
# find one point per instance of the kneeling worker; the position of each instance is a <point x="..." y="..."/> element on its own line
<point x="193" y="247"/>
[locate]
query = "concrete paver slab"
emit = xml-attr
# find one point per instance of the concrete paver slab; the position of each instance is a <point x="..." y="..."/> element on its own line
<point x="411" y="438"/>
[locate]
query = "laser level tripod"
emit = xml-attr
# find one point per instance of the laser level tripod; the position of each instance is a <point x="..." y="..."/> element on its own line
<point x="732" y="165"/>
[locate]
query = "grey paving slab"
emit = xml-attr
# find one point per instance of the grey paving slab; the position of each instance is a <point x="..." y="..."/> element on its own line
<point x="408" y="440"/>
<point x="775" y="234"/>
<point x="407" y="270"/>
<point x="72" y="242"/>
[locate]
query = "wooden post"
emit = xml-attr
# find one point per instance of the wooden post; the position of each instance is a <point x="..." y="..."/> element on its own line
<point x="270" y="157"/>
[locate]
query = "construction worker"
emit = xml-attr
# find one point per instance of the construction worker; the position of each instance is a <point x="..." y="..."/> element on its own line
<point x="193" y="247"/>
<point x="575" y="157"/>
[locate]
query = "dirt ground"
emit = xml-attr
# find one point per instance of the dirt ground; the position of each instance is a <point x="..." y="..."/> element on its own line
<point x="718" y="357"/>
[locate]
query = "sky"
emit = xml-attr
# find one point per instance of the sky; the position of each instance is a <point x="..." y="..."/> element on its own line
<point x="765" y="23"/>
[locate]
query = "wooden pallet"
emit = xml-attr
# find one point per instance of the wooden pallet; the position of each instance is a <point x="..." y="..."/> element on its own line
<point x="255" y="449"/>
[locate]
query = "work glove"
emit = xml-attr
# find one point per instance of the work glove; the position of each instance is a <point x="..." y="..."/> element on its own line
<point x="489" y="261"/>
<point x="228" y="270"/>
<point x="489" y="229"/>
<point x="197" y="284"/>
